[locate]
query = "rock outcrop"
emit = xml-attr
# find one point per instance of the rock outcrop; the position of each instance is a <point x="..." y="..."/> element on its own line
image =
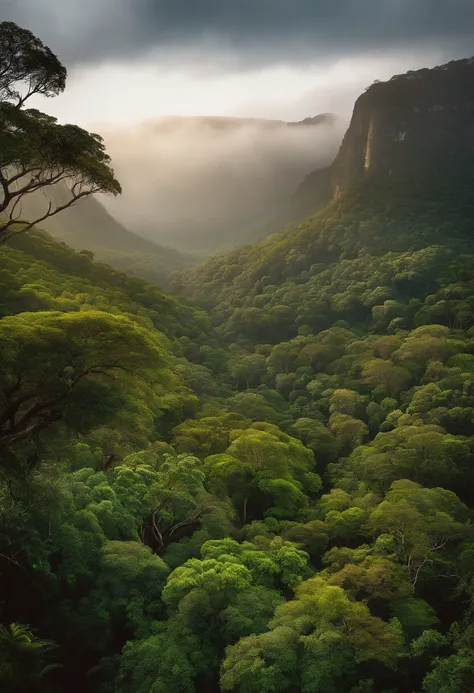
<point x="401" y="127"/>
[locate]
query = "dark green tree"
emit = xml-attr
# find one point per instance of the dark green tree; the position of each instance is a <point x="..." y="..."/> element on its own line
<point x="38" y="153"/>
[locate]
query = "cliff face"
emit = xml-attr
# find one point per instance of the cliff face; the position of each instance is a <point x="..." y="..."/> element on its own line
<point x="412" y="120"/>
<point x="401" y="127"/>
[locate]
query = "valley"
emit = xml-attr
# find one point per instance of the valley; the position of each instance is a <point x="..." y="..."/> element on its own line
<point x="255" y="473"/>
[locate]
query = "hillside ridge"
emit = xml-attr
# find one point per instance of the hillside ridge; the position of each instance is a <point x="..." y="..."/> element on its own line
<point x="88" y="225"/>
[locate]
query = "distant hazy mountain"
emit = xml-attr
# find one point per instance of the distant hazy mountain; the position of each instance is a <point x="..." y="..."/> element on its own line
<point x="171" y="123"/>
<point x="88" y="225"/>
<point x="191" y="186"/>
<point x="206" y="183"/>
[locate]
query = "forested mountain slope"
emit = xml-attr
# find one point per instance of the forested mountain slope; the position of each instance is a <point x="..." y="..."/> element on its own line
<point x="88" y="225"/>
<point x="342" y="263"/>
<point x="248" y="498"/>
<point x="417" y="192"/>
<point x="271" y="496"/>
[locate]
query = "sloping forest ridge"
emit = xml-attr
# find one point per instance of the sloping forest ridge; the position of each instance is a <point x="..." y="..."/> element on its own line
<point x="263" y="483"/>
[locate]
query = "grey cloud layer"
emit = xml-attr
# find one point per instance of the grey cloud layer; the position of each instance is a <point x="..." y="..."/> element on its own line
<point x="246" y="31"/>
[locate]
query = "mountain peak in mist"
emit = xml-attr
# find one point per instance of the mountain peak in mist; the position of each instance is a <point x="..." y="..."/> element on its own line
<point x="320" y="119"/>
<point x="228" y="123"/>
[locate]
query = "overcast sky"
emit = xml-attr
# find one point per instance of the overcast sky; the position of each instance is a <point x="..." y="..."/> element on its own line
<point x="131" y="60"/>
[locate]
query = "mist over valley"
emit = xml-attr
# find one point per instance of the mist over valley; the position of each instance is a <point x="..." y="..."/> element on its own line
<point x="201" y="184"/>
<point x="237" y="353"/>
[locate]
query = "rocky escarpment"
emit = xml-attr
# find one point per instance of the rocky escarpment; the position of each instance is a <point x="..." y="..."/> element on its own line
<point x="399" y="128"/>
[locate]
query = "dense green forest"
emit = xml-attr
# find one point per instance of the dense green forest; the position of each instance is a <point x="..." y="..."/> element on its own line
<point x="267" y="490"/>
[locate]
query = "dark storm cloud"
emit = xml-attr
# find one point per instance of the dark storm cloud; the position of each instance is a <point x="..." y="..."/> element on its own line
<point x="252" y="32"/>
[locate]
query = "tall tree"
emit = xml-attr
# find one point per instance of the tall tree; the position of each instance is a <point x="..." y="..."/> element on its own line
<point x="38" y="153"/>
<point x="73" y="366"/>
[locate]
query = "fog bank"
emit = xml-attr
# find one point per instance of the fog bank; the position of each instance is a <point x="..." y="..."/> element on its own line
<point x="200" y="184"/>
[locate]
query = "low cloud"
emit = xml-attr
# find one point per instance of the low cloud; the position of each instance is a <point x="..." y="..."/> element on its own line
<point x="200" y="183"/>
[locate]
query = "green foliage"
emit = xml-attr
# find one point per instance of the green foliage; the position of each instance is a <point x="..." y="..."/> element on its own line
<point x="264" y="468"/>
<point x="55" y="364"/>
<point x="23" y="658"/>
<point x="451" y="675"/>
<point x="315" y="641"/>
<point x="273" y="496"/>
<point x="38" y="152"/>
<point x="24" y="58"/>
<point x="170" y="500"/>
